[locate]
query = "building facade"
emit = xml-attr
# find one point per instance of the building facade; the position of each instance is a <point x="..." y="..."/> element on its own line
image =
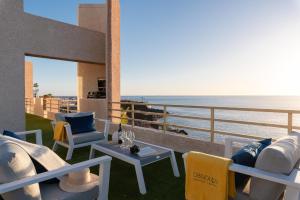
<point x="94" y="44"/>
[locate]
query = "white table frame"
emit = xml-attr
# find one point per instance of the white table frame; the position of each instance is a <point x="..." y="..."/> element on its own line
<point x="137" y="164"/>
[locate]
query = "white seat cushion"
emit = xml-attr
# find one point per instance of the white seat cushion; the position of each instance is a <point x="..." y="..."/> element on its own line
<point x="88" y="137"/>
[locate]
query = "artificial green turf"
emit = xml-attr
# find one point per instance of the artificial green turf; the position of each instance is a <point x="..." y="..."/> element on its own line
<point x="159" y="179"/>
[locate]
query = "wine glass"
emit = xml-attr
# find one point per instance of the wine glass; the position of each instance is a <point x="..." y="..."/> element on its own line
<point x="127" y="139"/>
<point x="123" y="138"/>
<point x="130" y="138"/>
<point x="133" y="137"/>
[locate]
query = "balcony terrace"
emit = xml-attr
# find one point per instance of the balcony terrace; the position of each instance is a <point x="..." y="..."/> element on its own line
<point x="160" y="182"/>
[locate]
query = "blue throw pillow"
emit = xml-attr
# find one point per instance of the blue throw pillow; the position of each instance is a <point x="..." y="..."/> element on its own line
<point x="11" y="134"/>
<point x="81" y="124"/>
<point x="247" y="156"/>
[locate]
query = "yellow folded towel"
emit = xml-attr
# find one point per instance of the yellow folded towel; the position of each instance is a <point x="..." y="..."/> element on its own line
<point x="208" y="177"/>
<point x="60" y="132"/>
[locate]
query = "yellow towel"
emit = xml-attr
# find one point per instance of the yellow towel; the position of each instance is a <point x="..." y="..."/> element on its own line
<point x="124" y="117"/>
<point x="208" y="177"/>
<point x="60" y="132"/>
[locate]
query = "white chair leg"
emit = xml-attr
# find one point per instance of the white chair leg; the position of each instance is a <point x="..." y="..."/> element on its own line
<point x="55" y="145"/>
<point x="70" y="153"/>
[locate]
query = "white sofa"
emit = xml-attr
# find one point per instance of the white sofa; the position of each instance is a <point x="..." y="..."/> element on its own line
<point x="273" y="181"/>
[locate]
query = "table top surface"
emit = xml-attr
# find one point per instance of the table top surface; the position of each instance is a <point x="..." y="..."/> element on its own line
<point x="115" y="150"/>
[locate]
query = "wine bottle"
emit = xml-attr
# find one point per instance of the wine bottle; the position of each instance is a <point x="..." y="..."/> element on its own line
<point x="119" y="134"/>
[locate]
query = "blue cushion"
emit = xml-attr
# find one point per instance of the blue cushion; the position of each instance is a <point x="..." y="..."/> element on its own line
<point x="11" y="134"/>
<point x="81" y="124"/>
<point x="247" y="156"/>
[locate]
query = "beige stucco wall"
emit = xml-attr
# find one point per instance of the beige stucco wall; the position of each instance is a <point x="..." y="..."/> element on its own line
<point x="98" y="106"/>
<point x="87" y="76"/>
<point x="28" y="80"/>
<point x="48" y="38"/>
<point x="26" y="34"/>
<point x="93" y="17"/>
<point x="38" y="107"/>
<point x="12" y="82"/>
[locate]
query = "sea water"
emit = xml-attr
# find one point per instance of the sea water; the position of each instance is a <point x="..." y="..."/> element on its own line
<point x="269" y="102"/>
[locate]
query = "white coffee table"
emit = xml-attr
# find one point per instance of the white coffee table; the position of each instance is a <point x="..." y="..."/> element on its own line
<point x="116" y="151"/>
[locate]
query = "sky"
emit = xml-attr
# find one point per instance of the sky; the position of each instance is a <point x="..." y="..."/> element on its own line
<point x="191" y="47"/>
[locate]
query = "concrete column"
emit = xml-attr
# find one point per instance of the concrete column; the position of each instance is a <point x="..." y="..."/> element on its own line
<point x="12" y="82"/>
<point x="113" y="55"/>
<point x="28" y="80"/>
<point x="93" y="17"/>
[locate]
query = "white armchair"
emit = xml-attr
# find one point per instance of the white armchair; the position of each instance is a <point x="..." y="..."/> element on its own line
<point x="292" y="181"/>
<point x="104" y="174"/>
<point x="37" y="133"/>
<point x="83" y="139"/>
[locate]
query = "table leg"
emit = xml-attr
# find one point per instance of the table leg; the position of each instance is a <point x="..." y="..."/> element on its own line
<point x="174" y="164"/>
<point x="291" y="193"/>
<point x="92" y="153"/>
<point x="140" y="178"/>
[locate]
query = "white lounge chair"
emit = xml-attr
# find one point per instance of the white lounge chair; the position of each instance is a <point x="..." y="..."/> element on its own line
<point x="52" y="191"/>
<point x="291" y="181"/>
<point x="82" y="139"/>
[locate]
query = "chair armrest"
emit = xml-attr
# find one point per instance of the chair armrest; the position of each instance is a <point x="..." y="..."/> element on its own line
<point x="38" y="135"/>
<point x="288" y="180"/>
<point x="104" y="172"/>
<point x="229" y="144"/>
<point x="106" y="126"/>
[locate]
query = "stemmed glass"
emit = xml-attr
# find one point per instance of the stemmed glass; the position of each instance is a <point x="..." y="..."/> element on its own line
<point x="131" y="138"/>
<point x="123" y="138"/>
<point x="127" y="138"/>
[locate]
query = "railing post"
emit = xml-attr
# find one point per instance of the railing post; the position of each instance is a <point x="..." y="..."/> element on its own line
<point x="59" y="105"/>
<point x="212" y="124"/>
<point x="68" y="106"/>
<point x="31" y="110"/>
<point x="132" y="114"/>
<point x="50" y="101"/>
<point x="165" y="119"/>
<point x="290" y="122"/>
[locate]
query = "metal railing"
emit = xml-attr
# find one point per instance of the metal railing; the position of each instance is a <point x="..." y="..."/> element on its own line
<point x="60" y="105"/>
<point x="52" y="105"/>
<point x="212" y="119"/>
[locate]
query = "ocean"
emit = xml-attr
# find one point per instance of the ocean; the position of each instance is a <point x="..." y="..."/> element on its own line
<point x="270" y="102"/>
